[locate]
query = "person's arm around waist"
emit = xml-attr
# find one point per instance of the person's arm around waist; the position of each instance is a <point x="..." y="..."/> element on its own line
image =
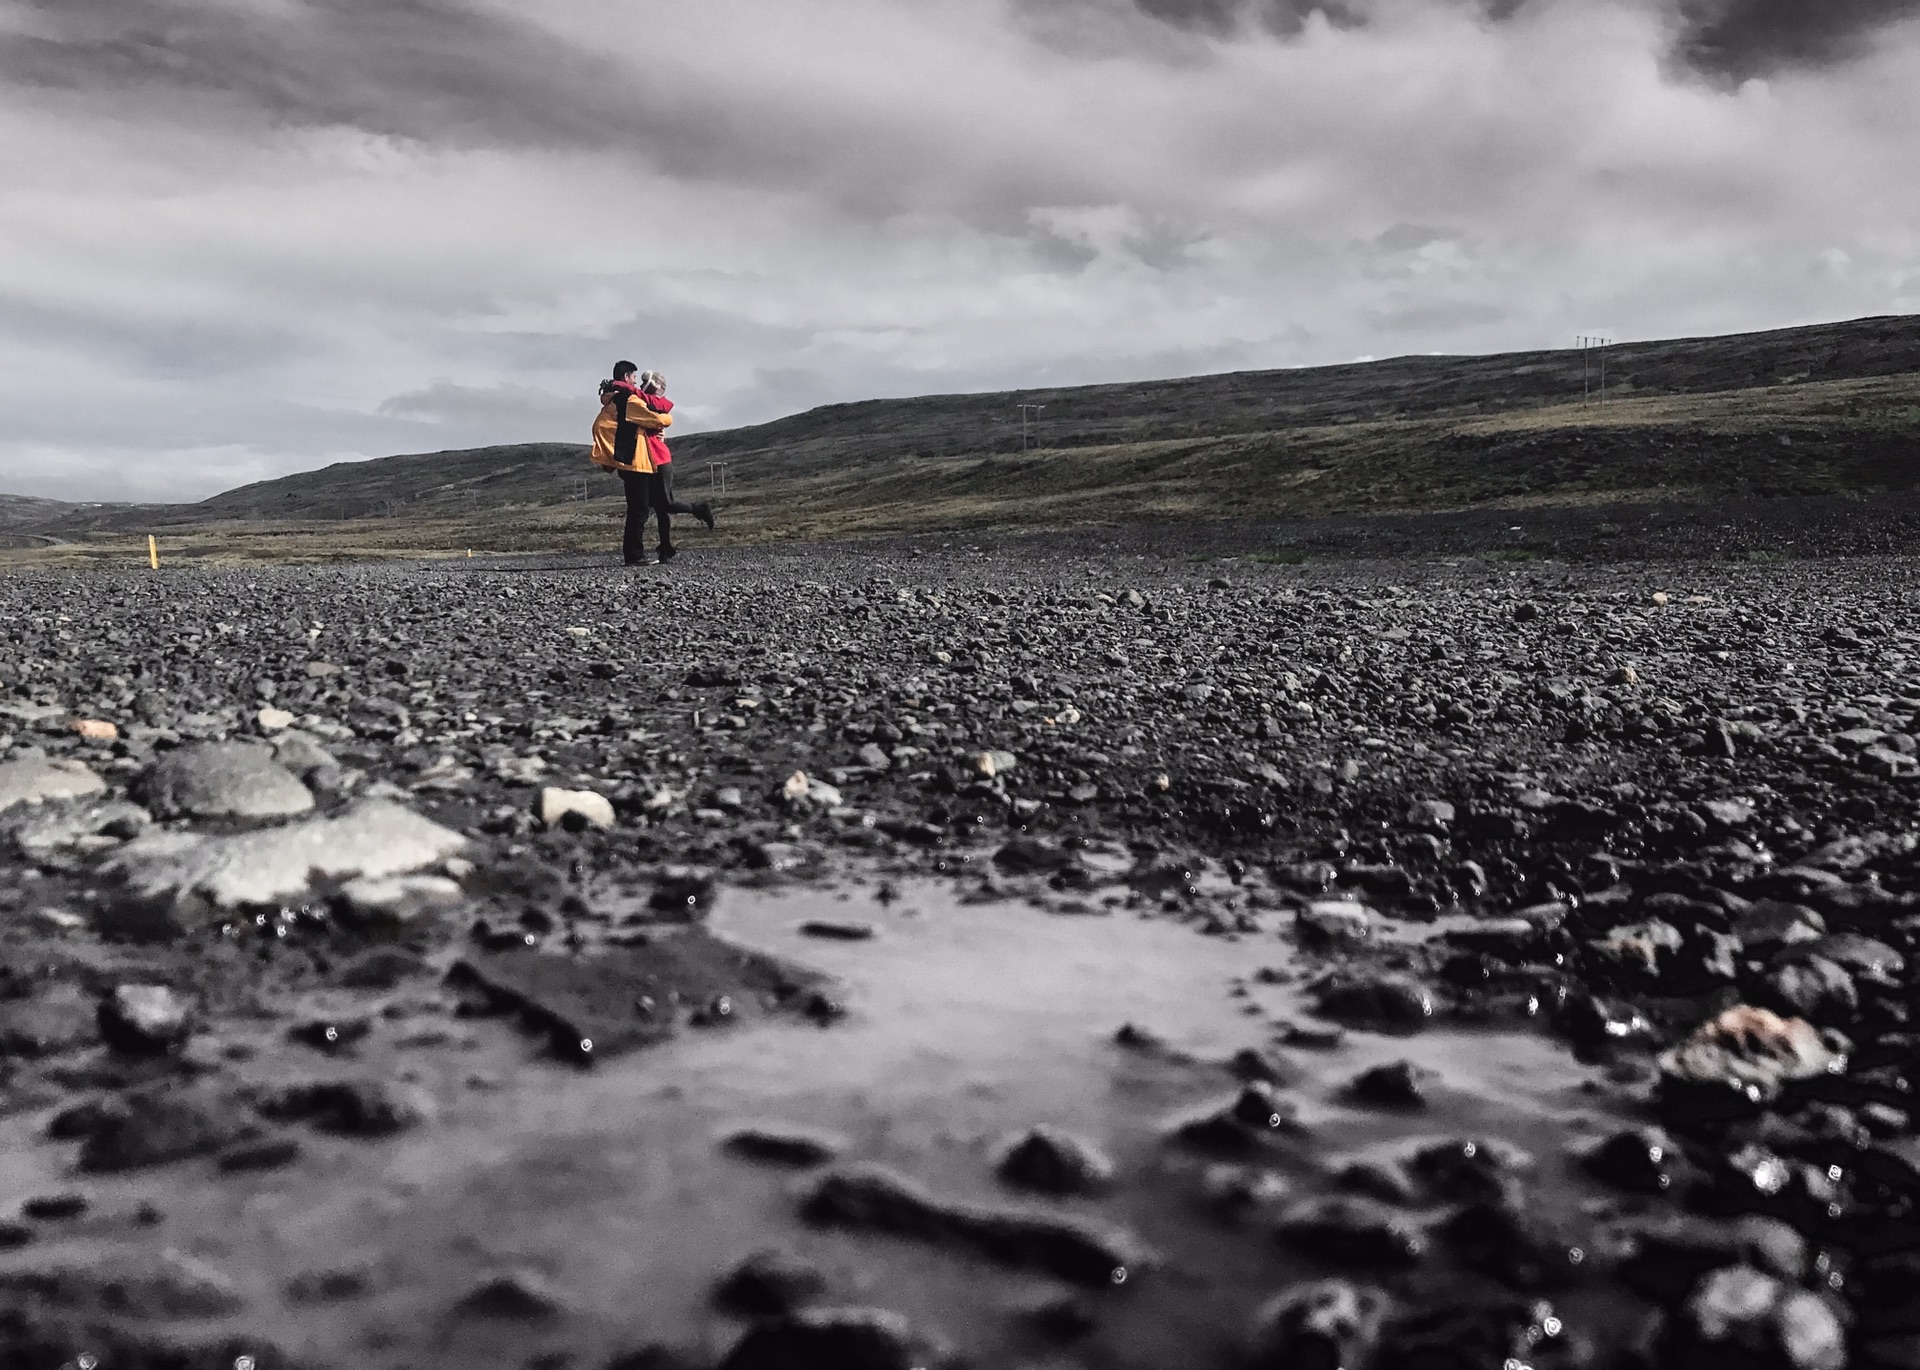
<point x="645" y="418"/>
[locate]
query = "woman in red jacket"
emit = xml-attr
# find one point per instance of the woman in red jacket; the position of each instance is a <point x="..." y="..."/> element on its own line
<point x="653" y="393"/>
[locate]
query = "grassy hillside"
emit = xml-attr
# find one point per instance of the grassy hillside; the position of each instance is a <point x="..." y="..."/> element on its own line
<point x="1814" y="411"/>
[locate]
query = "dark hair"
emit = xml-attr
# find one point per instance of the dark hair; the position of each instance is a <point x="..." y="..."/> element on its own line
<point x="621" y="370"/>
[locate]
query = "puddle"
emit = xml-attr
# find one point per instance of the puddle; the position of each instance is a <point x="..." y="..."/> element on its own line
<point x="966" y="1024"/>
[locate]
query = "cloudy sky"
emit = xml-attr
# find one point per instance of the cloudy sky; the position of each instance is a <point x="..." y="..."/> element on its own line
<point x="244" y="237"/>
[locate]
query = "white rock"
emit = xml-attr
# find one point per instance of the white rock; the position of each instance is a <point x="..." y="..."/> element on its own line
<point x="375" y="839"/>
<point x="35" y="779"/>
<point x="1337" y="920"/>
<point x="272" y="720"/>
<point x="67" y="825"/>
<point x="557" y="804"/>
<point x="400" y="897"/>
<point x="1763" y="1321"/>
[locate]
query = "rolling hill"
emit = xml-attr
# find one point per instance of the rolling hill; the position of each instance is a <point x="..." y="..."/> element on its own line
<point x="1829" y="409"/>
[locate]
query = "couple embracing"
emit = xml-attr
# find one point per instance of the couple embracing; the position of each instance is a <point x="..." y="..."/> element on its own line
<point x="626" y="440"/>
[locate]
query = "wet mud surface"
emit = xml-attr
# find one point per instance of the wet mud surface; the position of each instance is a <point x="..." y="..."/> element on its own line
<point x="1036" y="956"/>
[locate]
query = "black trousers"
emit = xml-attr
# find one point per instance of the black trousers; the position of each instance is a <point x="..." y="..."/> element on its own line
<point x="639" y="488"/>
<point x="660" y="493"/>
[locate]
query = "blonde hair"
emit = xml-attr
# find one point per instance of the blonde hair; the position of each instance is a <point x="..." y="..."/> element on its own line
<point x="653" y="382"/>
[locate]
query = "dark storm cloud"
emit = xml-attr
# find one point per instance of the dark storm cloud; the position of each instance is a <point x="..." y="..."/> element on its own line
<point x="416" y="69"/>
<point x="1742" y="38"/>
<point x="1722" y="38"/>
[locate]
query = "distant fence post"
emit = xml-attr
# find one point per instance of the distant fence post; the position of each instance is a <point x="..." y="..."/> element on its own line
<point x="153" y="553"/>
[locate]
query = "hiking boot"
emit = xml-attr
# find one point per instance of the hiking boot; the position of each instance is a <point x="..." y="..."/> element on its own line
<point x="704" y="512"/>
<point x="640" y="561"/>
<point x="668" y="554"/>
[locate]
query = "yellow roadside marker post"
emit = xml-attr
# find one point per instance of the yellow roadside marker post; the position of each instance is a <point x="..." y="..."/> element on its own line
<point x="153" y="553"/>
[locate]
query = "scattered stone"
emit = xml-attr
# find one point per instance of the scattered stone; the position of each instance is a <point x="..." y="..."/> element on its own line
<point x="1329" y="1323"/>
<point x="836" y="931"/>
<point x="1351" y="1231"/>
<point x="54" y="1207"/>
<point x="153" y="1126"/>
<point x="145" y="1020"/>
<point x="769" y="1283"/>
<point x="574" y="809"/>
<point x="332" y="1284"/>
<point x="270" y="1153"/>
<point x="1509" y="1240"/>
<point x="1255" y="1121"/>
<point x="1470" y="1169"/>
<point x="1746" y="1315"/>
<point x="223" y="780"/>
<point x="352" y="1108"/>
<point x="1670" y="1254"/>
<point x="516" y="1296"/>
<point x="593" y="1006"/>
<point x="844" y="1338"/>
<point x="1054" y="1162"/>
<point x="1738" y="1061"/>
<point x="272" y="720"/>
<point x="1237" y="1191"/>
<point x="276" y="866"/>
<point x="395" y="899"/>
<point x="1330" y="922"/>
<point x="1641" y="1159"/>
<point x="877" y="1199"/>
<point x="1366" y="996"/>
<point x="35" y="780"/>
<point x="93" y="729"/>
<point x="781" y="1145"/>
<point x="1398" y="1084"/>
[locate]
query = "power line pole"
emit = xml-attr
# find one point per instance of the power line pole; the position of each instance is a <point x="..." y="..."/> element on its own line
<point x="1036" y="408"/>
<point x="1588" y="344"/>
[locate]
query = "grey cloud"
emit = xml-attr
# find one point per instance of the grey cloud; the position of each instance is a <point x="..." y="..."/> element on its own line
<point x="1438" y="317"/>
<point x="1742" y="38"/>
<point x="1224" y="17"/>
<point x="1409" y="237"/>
<point x="516" y="413"/>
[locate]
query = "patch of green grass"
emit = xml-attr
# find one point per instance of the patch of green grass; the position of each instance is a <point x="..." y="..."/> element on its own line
<point x="1763" y="556"/>
<point x="1202" y="558"/>
<point x="1513" y="554"/>
<point x="1285" y="556"/>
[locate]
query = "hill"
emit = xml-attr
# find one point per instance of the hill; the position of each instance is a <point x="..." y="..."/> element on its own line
<point x="1830" y="409"/>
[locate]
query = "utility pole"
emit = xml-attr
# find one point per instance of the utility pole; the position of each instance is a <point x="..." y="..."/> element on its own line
<point x="1024" y="408"/>
<point x="1589" y="343"/>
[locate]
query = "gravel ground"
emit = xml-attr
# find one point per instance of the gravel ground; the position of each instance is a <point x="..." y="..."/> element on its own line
<point x="273" y="839"/>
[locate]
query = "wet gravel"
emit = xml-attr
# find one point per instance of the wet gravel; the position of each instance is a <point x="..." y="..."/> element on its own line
<point x="301" y="863"/>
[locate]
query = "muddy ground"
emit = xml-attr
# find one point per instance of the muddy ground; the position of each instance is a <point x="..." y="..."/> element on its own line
<point x="1051" y="953"/>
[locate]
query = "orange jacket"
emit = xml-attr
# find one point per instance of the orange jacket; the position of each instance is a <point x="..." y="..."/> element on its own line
<point x="623" y="419"/>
